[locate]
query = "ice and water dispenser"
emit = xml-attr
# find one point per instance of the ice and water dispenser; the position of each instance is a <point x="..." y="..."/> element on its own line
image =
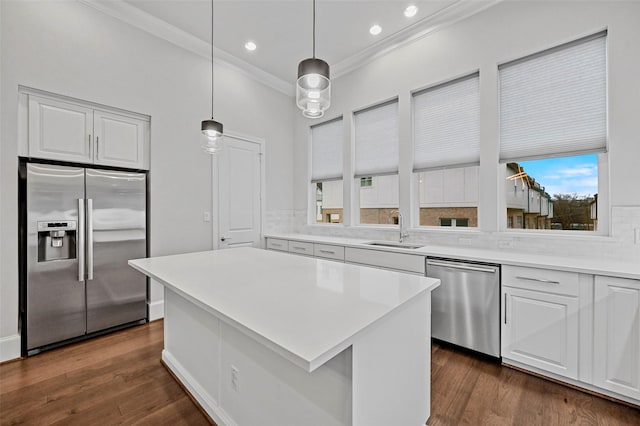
<point x="56" y="240"/>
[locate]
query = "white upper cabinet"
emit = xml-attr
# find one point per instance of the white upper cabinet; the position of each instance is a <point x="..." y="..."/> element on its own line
<point x="119" y="139"/>
<point x="79" y="132"/>
<point x="60" y="130"/>
<point x="616" y="357"/>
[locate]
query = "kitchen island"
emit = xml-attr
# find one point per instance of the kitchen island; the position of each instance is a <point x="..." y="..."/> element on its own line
<point x="260" y="337"/>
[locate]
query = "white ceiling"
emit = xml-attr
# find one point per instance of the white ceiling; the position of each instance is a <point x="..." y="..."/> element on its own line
<point x="282" y="29"/>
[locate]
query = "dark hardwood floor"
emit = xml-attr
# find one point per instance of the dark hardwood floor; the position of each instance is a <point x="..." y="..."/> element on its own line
<point x="109" y="380"/>
<point x="118" y="379"/>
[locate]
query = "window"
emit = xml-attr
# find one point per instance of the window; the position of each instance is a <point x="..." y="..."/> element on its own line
<point x="366" y="182"/>
<point x="326" y="171"/>
<point x="553" y="136"/>
<point x="458" y="222"/>
<point x="553" y="193"/>
<point x="446" y="127"/>
<point x="376" y="162"/>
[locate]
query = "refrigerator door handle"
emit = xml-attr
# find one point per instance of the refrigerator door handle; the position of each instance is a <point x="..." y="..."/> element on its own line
<point x="81" y="239"/>
<point x="89" y="239"/>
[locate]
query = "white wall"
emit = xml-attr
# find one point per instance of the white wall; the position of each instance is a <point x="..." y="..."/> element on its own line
<point x="507" y="31"/>
<point x="68" y="48"/>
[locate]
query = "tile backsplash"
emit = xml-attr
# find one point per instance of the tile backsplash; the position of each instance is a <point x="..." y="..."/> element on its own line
<point x="621" y="244"/>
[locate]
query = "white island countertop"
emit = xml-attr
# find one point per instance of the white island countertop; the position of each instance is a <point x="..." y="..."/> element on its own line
<point x="307" y="310"/>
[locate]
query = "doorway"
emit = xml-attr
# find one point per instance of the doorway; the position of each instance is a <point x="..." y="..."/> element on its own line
<point x="238" y="185"/>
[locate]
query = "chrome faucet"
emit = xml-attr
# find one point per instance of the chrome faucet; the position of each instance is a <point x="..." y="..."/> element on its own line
<point x="403" y="233"/>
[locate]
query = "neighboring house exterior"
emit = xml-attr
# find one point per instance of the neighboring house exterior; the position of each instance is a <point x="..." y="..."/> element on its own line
<point x="528" y="205"/>
<point x="448" y="197"/>
<point x="593" y="209"/>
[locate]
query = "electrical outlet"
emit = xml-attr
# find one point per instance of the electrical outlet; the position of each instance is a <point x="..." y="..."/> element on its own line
<point x="504" y="244"/>
<point x="206" y="216"/>
<point x="464" y="241"/>
<point x="637" y="235"/>
<point x="235" y="378"/>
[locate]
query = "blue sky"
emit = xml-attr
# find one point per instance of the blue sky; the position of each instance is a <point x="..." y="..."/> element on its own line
<point x="566" y="175"/>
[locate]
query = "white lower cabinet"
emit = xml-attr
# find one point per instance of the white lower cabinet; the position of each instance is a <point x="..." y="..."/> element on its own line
<point x="541" y="330"/>
<point x="616" y="358"/>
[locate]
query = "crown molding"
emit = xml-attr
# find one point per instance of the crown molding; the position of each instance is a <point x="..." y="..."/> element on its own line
<point x="142" y="20"/>
<point x="449" y="15"/>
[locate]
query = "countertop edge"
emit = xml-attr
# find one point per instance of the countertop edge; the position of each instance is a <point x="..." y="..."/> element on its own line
<point x="570" y="264"/>
<point x="297" y="360"/>
<point x="308" y="365"/>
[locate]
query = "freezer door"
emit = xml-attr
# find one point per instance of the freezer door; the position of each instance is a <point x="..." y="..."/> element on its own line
<point x="55" y="302"/>
<point x="116" y="232"/>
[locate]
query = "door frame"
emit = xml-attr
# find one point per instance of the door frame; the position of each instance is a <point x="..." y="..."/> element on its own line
<point x="215" y="182"/>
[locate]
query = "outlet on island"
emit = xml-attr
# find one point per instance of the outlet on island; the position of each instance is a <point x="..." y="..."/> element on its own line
<point x="235" y="378"/>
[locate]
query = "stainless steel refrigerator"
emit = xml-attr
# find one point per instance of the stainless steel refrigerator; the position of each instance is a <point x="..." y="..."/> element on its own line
<point x="79" y="226"/>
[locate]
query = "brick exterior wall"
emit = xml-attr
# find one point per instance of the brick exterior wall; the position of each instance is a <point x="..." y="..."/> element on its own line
<point x="517" y="218"/>
<point x="431" y="216"/>
<point x="377" y="216"/>
<point x="326" y="215"/>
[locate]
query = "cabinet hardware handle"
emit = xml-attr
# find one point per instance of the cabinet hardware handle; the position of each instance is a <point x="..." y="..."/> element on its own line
<point x="89" y="227"/>
<point x="81" y="239"/>
<point x="97" y="145"/>
<point x="327" y="251"/>
<point x="539" y="280"/>
<point x="276" y="244"/>
<point x="89" y="140"/>
<point x="505" y="308"/>
<point x="463" y="266"/>
<point x="298" y="248"/>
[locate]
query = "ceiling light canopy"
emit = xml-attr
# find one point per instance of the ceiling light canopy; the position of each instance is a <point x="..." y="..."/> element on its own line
<point x="250" y="46"/>
<point x="212" y="130"/>
<point x="313" y="87"/>
<point x="411" y="11"/>
<point x="375" y="29"/>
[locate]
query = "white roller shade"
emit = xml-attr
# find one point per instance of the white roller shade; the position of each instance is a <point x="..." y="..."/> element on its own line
<point x="446" y="125"/>
<point x="326" y="151"/>
<point x="555" y="103"/>
<point x="376" y="135"/>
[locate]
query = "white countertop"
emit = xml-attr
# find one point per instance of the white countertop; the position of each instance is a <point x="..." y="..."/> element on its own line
<point x="306" y="309"/>
<point x="588" y="265"/>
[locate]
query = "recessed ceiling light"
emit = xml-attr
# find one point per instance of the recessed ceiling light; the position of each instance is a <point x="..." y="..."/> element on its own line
<point x="250" y="46"/>
<point x="375" y="29"/>
<point x="411" y="11"/>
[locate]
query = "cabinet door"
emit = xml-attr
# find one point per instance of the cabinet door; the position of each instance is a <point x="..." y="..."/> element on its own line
<point x="119" y="140"/>
<point x="60" y="130"/>
<point x="541" y="330"/>
<point x="616" y="356"/>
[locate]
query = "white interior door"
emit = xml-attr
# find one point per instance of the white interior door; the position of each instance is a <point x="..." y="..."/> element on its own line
<point x="240" y="187"/>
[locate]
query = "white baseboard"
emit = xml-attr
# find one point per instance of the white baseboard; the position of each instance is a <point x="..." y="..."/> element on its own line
<point x="156" y="310"/>
<point x="9" y="347"/>
<point x="206" y="401"/>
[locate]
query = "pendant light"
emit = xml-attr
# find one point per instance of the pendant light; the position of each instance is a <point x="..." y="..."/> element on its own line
<point x="313" y="88"/>
<point x="212" y="129"/>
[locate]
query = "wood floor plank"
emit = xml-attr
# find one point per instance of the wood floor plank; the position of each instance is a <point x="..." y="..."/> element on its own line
<point x="118" y="379"/>
<point x="504" y="396"/>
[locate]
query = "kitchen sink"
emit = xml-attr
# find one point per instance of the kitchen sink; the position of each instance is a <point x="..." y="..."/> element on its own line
<point x="392" y="244"/>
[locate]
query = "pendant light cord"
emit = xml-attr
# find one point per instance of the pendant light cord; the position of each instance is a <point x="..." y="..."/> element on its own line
<point x="314" y="29"/>
<point x="212" y="87"/>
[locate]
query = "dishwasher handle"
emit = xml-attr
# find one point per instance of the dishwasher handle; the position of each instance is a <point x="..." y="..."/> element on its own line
<point x="463" y="266"/>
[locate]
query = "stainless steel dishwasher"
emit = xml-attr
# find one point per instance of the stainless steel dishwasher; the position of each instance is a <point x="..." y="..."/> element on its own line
<point x="466" y="306"/>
